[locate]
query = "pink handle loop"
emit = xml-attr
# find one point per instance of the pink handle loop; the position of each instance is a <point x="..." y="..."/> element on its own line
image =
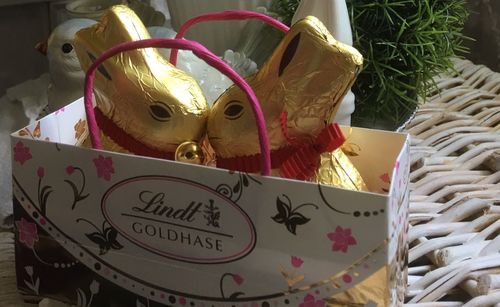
<point x="202" y="53"/>
<point x="225" y="15"/>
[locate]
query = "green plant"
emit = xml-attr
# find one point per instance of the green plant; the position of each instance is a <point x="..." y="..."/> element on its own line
<point x="285" y="9"/>
<point x="405" y="43"/>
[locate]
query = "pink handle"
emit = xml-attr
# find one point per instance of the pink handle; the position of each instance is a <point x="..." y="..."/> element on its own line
<point x="225" y="15"/>
<point x="202" y="53"/>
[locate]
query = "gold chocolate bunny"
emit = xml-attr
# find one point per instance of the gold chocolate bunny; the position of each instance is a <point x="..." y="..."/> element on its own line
<point x="299" y="88"/>
<point x="144" y="105"/>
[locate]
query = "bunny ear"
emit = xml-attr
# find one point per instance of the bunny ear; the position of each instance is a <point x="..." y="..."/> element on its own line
<point x="290" y="51"/>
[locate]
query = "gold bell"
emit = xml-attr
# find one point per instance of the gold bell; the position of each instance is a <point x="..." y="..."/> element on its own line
<point x="189" y="152"/>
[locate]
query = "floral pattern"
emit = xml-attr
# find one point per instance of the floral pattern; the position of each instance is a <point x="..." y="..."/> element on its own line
<point x="235" y="192"/>
<point x="61" y="110"/>
<point x="28" y="233"/>
<point x="296" y="261"/>
<point x="37" y="132"/>
<point x="237" y="279"/>
<point x="341" y="239"/>
<point x="80" y="128"/>
<point x="310" y="301"/>
<point x="33" y="282"/>
<point x="70" y="169"/>
<point x="104" y="167"/>
<point x="21" y="153"/>
<point x="44" y="191"/>
<point x="78" y="189"/>
<point x="40" y="172"/>
<point x="385" y="178"/>
<point x="81" y="296"/>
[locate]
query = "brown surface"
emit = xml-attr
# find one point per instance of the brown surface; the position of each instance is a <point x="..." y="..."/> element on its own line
<point x="484" y="27"/>
<point x="21" y="28"/>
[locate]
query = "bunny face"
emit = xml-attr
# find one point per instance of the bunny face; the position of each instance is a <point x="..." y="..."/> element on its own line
<point x="139" y="91"/>
<point x="306" y="77"/>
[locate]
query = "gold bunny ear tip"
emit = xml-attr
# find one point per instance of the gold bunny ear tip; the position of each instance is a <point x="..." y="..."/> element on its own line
<point x="315" y="27"/>
<point x="118" y="24"/>
<point x="118" y="12"/>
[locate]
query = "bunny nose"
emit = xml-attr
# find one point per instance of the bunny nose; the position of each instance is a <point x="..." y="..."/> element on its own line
<point x="189" y="152"/>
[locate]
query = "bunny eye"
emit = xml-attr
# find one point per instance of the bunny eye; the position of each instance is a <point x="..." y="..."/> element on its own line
<point x="233" y="110"/>
<point x="160" y="111"/>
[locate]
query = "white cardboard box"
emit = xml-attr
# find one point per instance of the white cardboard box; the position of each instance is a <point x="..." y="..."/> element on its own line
<point x="107" y="229"/>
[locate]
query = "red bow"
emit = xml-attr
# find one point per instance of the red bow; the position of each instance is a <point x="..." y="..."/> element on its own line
<point x="294" y="161"/>
<point x="303" y="163"/>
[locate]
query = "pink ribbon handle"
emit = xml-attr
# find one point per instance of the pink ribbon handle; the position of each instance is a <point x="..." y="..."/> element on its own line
<point x="225" y="15"/>
<point x="204" y="54"/>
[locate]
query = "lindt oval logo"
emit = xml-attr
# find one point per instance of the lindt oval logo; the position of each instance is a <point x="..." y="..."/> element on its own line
<point x="179" y="219"/>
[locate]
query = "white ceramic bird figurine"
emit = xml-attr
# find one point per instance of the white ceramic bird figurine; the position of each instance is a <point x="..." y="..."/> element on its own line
<point x="212" y="82"/>
<point x="25" y="102"/>
<point x="334" y="15"/>
<point x="66" y="75"/>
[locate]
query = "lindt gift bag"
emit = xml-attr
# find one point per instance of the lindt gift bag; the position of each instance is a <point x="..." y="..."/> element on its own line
<point x="105" y="229"/>
<point x="99" y="228"/>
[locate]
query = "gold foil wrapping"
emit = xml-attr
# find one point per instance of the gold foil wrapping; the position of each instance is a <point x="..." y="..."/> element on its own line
<point x="141" y="93"/>
<point x="306" y="77"/>
<point x="370" y="292"/>
<point x="337" y="170"/>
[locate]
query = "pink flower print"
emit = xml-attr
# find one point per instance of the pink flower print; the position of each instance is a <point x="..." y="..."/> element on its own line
<point x="237" y="279"/>
<point x="28" y="233"/>
<point x="40" y="172"/>
<point x="104" y="167"/>
<point x="296" y="261"/>
<point x="70" y="169"/>
<point x="347" y="278"/>
<point x="21" y="153"/>
<point x="385" y="178"/>
<point x="310" y="301"/>
<point x="341" y="238"/>
<point x="60" y="110"/>
<point x="182" y="301"/>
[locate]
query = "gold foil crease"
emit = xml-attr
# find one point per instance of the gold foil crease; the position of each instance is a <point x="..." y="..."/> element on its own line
<point x="375" y="288"/>
<point x="307" y="77"/>
<point x="371" y="290"/>
<point x="337" y="170"/>
<point x="386" y="287"/>
<point x="144" y="95"/>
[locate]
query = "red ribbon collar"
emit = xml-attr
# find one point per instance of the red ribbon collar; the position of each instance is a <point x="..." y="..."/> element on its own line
<point x="251" y="164"/>
<point x="294" y="162"/>
<point x="125" y="140"/>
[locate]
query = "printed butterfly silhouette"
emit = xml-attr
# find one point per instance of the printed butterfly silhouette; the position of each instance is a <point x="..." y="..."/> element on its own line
<point x="106" y="240"/>
<point x="291" y="218"/>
